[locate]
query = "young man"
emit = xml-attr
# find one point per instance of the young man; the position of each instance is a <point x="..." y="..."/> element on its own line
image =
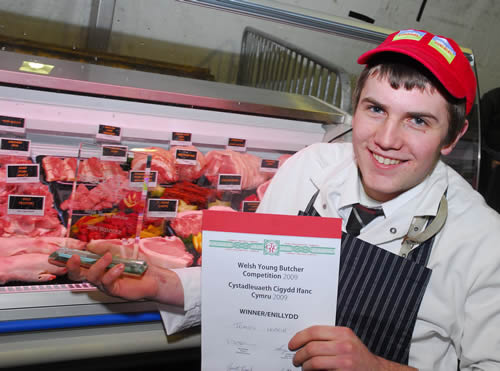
<point x="419" y="285"/>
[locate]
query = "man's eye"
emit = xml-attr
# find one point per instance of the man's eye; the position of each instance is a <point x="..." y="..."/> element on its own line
<point x="375" y="109"/>
<point x="419" y="121"/>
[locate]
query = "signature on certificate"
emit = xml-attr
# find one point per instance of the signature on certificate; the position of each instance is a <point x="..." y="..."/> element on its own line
<point x="241" y="347"/>
<point x="244" y="326"/>
<point x="236" y="367"/>
<point x="284" y="352"/>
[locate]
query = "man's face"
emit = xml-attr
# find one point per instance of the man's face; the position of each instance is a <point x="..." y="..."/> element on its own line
<point x="398" y="137"/>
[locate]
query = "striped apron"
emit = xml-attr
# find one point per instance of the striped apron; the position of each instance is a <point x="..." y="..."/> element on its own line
<point x="379" y="293"/>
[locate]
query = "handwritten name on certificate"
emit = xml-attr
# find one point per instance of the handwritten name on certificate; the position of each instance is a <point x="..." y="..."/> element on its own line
<point x="264" y="278"/>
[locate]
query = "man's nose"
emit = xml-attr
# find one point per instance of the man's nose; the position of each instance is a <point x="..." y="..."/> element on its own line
<point x="389" y="134"/>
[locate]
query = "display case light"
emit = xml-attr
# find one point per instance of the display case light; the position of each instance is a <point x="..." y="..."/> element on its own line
<point x="36" y="67"/>
<point x="143" y="150"/>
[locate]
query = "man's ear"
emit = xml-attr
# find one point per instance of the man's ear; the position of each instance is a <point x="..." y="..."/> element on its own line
<point x="446" y="150"/>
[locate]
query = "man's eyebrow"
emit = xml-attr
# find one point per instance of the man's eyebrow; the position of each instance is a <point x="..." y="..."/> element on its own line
<point x="423" y="114"/>
<point x="374" y="102"/>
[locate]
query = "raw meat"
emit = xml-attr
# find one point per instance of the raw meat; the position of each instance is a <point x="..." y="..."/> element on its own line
<point x="28" y="268"/>
<point x="103" y="196"/>
<point x="33" y="226"/>
<point x="189" y="172"/>
<point x="263" y="187"/>
<point x="24" y="225"/>
<point x="283" y="158"/>
<point x="189" y="222"/>
<point x="111" y="169"/>
<point x="91" y="170"/>
<point x="57" y="168"/>
<point x="6" y="160"/>
<point x="162" y="161"/>
<point x="164" y="252"/>
<point x="221" y="208"/>
<point x="231" y="162"/>
<point x="123" y="248"/>
<point x="68" y="169"/>
<point x="43" y="245"/>
<point x="52" y="167"/>
<point x="26" y="259"/>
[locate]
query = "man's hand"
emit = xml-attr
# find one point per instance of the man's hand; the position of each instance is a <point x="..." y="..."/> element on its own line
<point x="338" y="348"/>
<point x="156" y="284"/>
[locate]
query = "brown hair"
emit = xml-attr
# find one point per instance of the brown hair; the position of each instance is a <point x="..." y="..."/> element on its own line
<point x="402" y="71"/>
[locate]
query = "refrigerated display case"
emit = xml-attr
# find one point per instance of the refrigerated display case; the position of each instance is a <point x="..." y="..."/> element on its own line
<point x="61" y="320"/>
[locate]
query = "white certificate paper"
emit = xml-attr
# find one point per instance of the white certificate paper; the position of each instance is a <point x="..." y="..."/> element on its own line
<point x="264" y="278"/>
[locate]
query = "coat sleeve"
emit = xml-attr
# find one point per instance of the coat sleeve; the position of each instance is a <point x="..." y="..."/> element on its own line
<point x="177" y="319"/>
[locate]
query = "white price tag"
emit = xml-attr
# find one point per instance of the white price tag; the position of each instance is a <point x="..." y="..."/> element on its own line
<point x="229" y="182"/>
<point x="114" y="153"/>
<point x="12" y="124"/>
<point x="15" y="147"/>
<point x="236" y="144"/>
<point x="136" y="178"/>
<point x="185" y="157"/>
<point x="162" y="208"/>
<point x="181" y="139"/>
<point x="23" y="173"/>
<point x="109" y="133"/>
<point x="269" y="166"/>
<point x="26" y="205"/>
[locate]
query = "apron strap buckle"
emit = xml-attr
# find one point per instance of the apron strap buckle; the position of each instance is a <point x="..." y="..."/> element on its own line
<point x="418" y="234"/>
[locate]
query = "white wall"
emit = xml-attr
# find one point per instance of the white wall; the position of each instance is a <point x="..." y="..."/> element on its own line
<point x="177" y="32"/>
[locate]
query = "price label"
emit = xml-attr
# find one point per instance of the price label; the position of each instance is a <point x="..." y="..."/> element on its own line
<point x="229" y="182"/>
<point x="269" y="166"/>
<point x="250" y="206"/>
<point x="12" y="124"/>
<point x="15" y="147"/>
<point x="162" y="208"/>
<point x="23" y="173"/>
<point x="185" y="156"/>
<point x="114" y="153"/>
<point x="136" y="178"/>
<point x="181" y="139"/>
<point x="26" y="205"/>
<point x="109" y="133"/>
<point x="237" y="144"/>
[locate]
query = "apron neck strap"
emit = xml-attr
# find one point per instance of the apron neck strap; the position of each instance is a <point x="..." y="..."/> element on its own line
<point x="417" y="234"/>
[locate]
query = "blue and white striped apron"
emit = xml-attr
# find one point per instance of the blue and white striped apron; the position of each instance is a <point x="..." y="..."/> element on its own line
<point x="379" y="293"/>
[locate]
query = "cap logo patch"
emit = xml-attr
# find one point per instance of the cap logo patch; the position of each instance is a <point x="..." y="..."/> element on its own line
<point x="443" y="47"/>
<point x="409" y="35"/>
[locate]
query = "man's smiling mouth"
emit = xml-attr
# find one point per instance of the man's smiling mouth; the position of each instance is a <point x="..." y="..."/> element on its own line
<point x="385" y="160"/>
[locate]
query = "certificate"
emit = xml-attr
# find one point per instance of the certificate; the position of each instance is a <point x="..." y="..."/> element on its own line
<point x="264" y="278"/>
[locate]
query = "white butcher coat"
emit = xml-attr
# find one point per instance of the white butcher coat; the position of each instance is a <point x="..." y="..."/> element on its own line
<point x="460" y="313"/>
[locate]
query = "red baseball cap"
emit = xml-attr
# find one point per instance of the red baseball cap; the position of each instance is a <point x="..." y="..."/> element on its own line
<point x="440" y="55"/>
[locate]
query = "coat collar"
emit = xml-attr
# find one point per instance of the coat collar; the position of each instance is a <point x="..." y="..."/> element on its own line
<point x="340" y="187"/>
